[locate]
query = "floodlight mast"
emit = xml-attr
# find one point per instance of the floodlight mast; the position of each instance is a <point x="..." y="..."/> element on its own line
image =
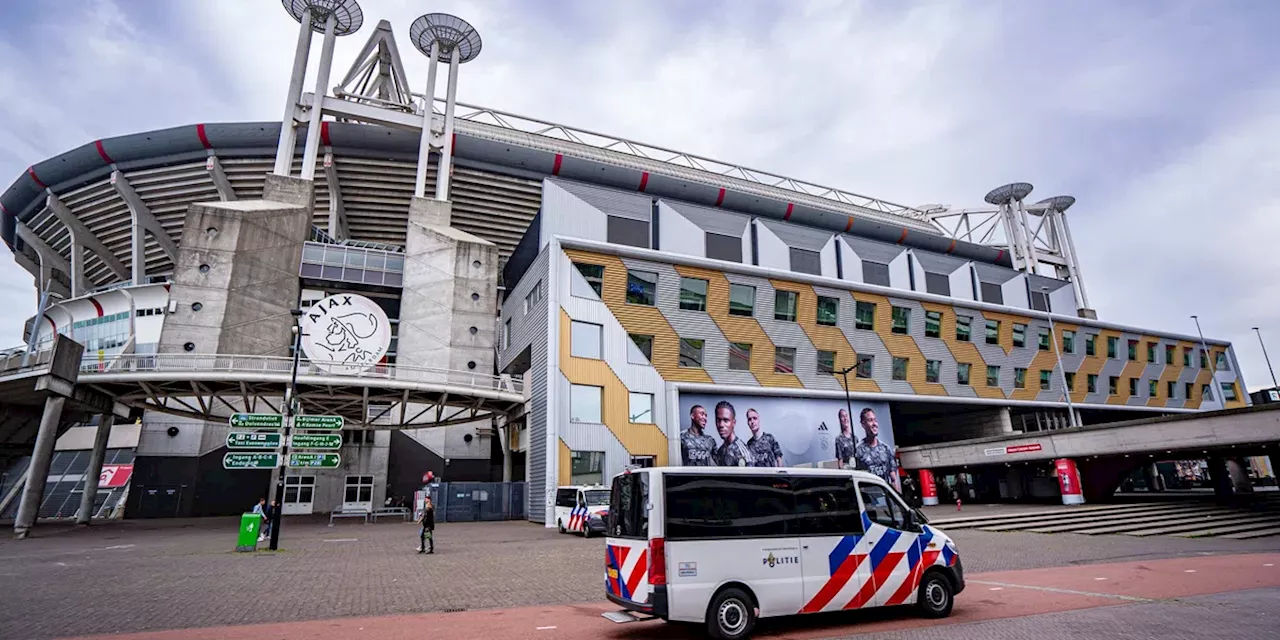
<point x="288" y="134"/>
<point x="442" y="38"/>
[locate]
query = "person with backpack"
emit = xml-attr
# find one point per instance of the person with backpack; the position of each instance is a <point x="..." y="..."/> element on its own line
<point x="426" y="536"/>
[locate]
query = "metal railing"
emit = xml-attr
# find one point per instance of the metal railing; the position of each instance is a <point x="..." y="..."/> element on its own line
<point x="183" y="362"/>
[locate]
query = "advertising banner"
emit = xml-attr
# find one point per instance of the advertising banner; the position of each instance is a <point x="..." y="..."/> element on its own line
<point x="761" y="431"/>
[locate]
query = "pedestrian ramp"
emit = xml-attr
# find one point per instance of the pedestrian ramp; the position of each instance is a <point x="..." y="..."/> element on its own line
<point x="1256" y="518"/>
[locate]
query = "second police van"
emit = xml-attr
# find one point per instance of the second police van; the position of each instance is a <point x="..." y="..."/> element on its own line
<point x="727" y="546"/>
<point x="582" y="509"/>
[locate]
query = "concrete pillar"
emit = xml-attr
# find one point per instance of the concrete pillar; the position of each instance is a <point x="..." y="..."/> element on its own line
<point x="1240" y="482"/>
<point x="92" y="474"/>
<point x="1069" y="481"/>
<point x="1219" y="477"/>
<point x="38" y="472"/>
<point x="928" y="488"/>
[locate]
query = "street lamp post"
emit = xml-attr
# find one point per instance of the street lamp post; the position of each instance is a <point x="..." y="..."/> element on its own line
<point x="848" y="400"/>
<point x="290" y="401"/>
<point x="1062" y="370"/>
<point x="1267" y="358"/>
<point x="1213" y="366"/>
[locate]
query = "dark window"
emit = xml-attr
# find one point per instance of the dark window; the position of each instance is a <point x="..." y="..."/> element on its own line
<point x="901" y="320"/>
<point x="993" y="376"/>
<point x="963" y="329"/>
<point x="1113" y="385"/>
<point x="866" y="365"/>
<point x="594" y="275"/>
<point x="1133" y="386"/>
<point x="992" y="293"/>
<point x="962" y="373"/>
<point x="937" y="283"/>
<point x="634" y="233"/>
<point x="641" y="287"/>
<point x="1133" y="350"/>
<point x="1092" y="381"/>
<point x="826" y="362"/>
<point x="1153" y="388"/>
<point x="900" y="368"/>
<point x="721" y="247"/>
<point x="784" y="360"/>
<point x="933" y="324"/>
<point x="881" y="508"/>
<point x="1168" y="356"/>
<point x="742" y="300"/>
<point x="932" y="370"/>
<point x="875" y="273"/>
<point x="1113" y="346"/>
<point x="1044" y="380"/>
<point x="784" y="305"/>
<point x="825" y="506"/>
<point x="1068" y="341"/>
<point x="644" y="344"/>
<point x="628" y="513"/>
<point x="1019" y="378"/>
<point x="1039" y="301"/>
<point x="566" y="497"/>
<point x="828" y="311"/>
<point x="803" y="261"/>
<point x="1151" y="352"/>
<point x="728" y="506"/>
<point x="1044" y="340"/>
<point x="1091" y="345"/>
<point x="693" y="294"/>
<point x="691" y="353"/>
<point x="1186" y="357"/>
<point x="993" y="332"/>
<point x="1188" y="389"/>
<point x="1172" y="389"/>
<point x="1019" y="335"/>
<point x="865" y="316"/>
<point x="1070" y="377"/>
<point x="739" y="356"/>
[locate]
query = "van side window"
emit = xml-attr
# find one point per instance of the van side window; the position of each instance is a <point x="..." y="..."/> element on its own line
<point x="880" y="507"/>
<point x="728" y="506"/>
<point x="566" y="497"/>
<point x="825" y="506"/>
<point x="628" y="516"/>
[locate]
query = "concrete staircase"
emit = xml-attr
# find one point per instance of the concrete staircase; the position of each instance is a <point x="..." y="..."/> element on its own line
<point x="1259" y="517"/>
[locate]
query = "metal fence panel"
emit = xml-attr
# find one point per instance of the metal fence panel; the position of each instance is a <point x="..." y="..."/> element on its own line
<point x="479" y="501"/>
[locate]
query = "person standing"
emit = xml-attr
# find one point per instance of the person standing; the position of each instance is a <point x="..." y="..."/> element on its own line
<point x="844" y="441"/>
<point x="261" y="510"/>
<point x="763" y="446"/>
<point x="270" y="515"/>
<point x="733" y="453"/>
<point x="426" y="536"/>
<point x="696" y="446"/>
<point x="872" y="453"/>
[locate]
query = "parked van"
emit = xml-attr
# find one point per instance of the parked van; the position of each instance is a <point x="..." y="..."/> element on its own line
<point x="727" y="546"/>
<point x="582" y="509"/>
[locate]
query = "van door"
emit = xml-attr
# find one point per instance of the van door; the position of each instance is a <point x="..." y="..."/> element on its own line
<point x="564" y="507"/>
<point x="894" y="557"/>
<point x="833" y="555"/>
<point x="626" y="550"/>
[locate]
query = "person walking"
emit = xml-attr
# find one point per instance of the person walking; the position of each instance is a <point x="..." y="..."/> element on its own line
<point x="426" y="536"/>
<point x="261" y="510"/>
<point x="269" y="515"/>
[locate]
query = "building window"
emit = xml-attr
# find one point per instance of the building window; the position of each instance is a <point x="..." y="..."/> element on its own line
<point x="1044" y="340"/>
<point x="1113" y="385"/>
<point x="358" y="489"/>
<point x="993" y="332"/>
<point x="1186" y="358"/>
<point x="866" y="365"/>
<point x="739" y="356"/>
<point x="1019" y="378"/>
<point x="691" y="353"/>
<point x="1068" y="341"/>
<point x="1092" y="381"/>
<point x="1204" y="360"/>
<point x="1187" y="389"/>
<point x="535" y="294"/>
<point x="933" y="324"/>
<point x="932" y="370"/>
<point x="875" y="273"/>
<point x="962" y="328"/>
<point x="585" y="340"/>
<point x="584" y="403"/>
<point x="693" y="294"/>
<point x="742" y="300"/>
<point x="640" y="350"/>
<point x="991" y="293"/>
<point x="1039" y="301"/>
<point x="1133" y="386"/>
<point x="864" y="316"/>
<point x="633" y="233"/>
<point x="1113" y="346"/>
<point x="1206" y="393"/>
<point x="784" y="305"/>
<point x="1168" y="357"/>
<point x="641" y="287"/>
<point x="901" y="319"/>
<point x="506" y="334"/>
<point x="900" y="368"/>
<point x="962" y="373"/>
<point x="594" y="275"/>
<point x="803" y="261"/>
<point x="1019" y="335"/>
<point x="937" y="283"/>
<point x="1044" y="380"/>
<point x="1151" y="352"/>
<point x="784" y="360"/>
<point x="826" y="362"/>
<point x="586" y="468"/>
<point x="1153" y="388"/>
<point x="828" y="311"/>
<point x="1228" y="391"/>
<point x="1133" y="350"/>
<point x="1222" y="362"/>
<point x="993" y="376"/>
<point x="1171" y="388"/>
<point x="1071" y="380"/>
<point x="722" y="247"/>
<point x="1090" y="345"/>
<point x="641" y="408"/>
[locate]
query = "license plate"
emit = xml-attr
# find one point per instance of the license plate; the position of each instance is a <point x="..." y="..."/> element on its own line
<point x="613" y="573"/>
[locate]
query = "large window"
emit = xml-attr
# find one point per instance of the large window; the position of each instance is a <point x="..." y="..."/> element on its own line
<point x="1228" y="391"/>
<point x="640" y="349"/>
<point x="937" y="283"/>
<point x="962" y="373"/>
<point x="875" y="273"/>
<point x="784" y="360"/>
<point x="693" y="294"/>
<point x="1153" y="388"/>
<point x="1171" y="388"/>
<point x="963" y="328"/>
<point x="991" y="293"/>
<point x="633" y="233"/>
<point x="1221" y="361"/>
<point x="993" y="332"/>
<point x="932" y="370"/>
<point x="1092" y="381"/>
<point x="866" y="365"/>
<point x="993" y="376"/>
<point x="358" y="489"/>
<point x="628" y="506"/>
<point x="865" y="315"/>
<point x="1019" y="335"/>
<point x="1133" y="386"/>
<point x="1151" y="352"/>
<point x="828" y="311"/>
<point x="642" y="287"/>
<point x="1044" y="340"/>
<point x="1044" y="379"/>
<point x="1187" y="389"/>
<point x="1186" y="356"/>
<point x="1019" y="378"/>
<point x="826" y="361"/>
<point x="901" y="320"/>
<point x="742" y="300"/>
<point x="1113" y="385"/>
<point x="825" y="506"/>
<point x="584" y="403"/>
<point x="1169" y="354"/>
<point x="1068" y="341"/>
<point x="691" y="353"/>
<point x="933" y="324"/>
<point x="585" y="339"/>
<point x="900" y="368"/>
<point x="586" y="467"/>
<point x="739" y="356"/>
<point x="1091" y="345"/>
<point x="1133" y="350"/>
<point x="1113" y="347"/>
<point x="1070" y="377"/>
<point x="722" y="247"/>
<point x="594" y="275"/>
<point x="784" y="305"/>
<point x="641" y="408"/>
<point x="721" y="506"/>
<point x="803" y="261"/>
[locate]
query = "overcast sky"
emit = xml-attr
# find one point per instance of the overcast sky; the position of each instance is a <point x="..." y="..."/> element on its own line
<point x="1161" y="117"/>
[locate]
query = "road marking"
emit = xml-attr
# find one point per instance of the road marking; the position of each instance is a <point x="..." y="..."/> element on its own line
<point x="1188" y="570"/>
<point x="341" y="539"/>
<point x="119" y="546"/>
<point x="1268" y="565"/>
<point x="1099" y="578"/>
<point x="1067" y="591"/>
<point x="543" y="628"/>
<point x="996" y="589"/>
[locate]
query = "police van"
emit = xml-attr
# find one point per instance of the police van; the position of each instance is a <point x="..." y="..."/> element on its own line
<point x="727" y="546"/>
<point x="582" y="509"/>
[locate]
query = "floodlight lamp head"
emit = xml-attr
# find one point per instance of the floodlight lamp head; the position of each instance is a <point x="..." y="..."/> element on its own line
<point x="1009" y="192"/>
<point x="1059" y="203"/>
<point x="346" y="14"/>
<point x="450" y="32"/>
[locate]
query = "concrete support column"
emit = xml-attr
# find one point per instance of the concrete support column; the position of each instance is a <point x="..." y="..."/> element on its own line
<point x="38" y="472"/>
<point x="77" y="269"/>
<point x="94" y="472"/>
<point x="1240" y="482"/>
<point x="1219" y="477"/>
<point x="928" y="488"/>
<point x="1069" y="481"/>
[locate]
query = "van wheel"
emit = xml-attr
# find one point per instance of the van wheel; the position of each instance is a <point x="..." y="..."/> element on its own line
<point x="731" y="615"/>
<point x="936" y="596"/>
<point x="560" y="523"/>
<point x="586" y="531"/>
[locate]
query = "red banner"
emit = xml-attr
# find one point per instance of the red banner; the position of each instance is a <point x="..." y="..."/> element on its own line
<point x="115" y="476"/>
<point x="1023" y="448"/>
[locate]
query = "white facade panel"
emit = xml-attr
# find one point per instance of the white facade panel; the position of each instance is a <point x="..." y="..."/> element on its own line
<point x="830" y="268"/>
<point x="773" y="252"/>
<point x="899" y="272"/>
<point x="678" y="234"/>
<point x="849" y="259"/>
<point x="961" y="281"/>
<point x="1014" y="292"/>
<point x="564" y="214"/>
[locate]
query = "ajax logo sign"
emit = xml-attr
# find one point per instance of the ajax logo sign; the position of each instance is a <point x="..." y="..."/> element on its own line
<point x="345" y="333"/>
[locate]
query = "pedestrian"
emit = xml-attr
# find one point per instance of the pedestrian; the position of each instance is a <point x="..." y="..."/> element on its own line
<point x="426" y="536"/>
<point x="261" y="510"/>
<point x="270" y="515"/>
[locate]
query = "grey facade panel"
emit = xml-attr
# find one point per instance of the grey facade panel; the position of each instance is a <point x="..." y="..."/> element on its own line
<point x="797" y="236"/>
<point x="994" y="274"/>
<point x="525" y="327"/>
<point x="611" y="201"/>
<point x="873" y="251"/>
<point x="726" y="223"/>
<point x="1035" y="281"/>
<point x="938" y="263"/>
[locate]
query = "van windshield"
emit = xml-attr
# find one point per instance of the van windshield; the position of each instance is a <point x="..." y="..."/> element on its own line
<point x="628" y="502"/>
<point x="597" y="498"/>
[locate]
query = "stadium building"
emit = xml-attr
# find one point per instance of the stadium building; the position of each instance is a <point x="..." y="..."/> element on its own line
<point x="557" y="305"/>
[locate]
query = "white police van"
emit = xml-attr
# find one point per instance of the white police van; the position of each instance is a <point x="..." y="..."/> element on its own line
<point x="727" y="546"/>
<point x="582" y="509"/>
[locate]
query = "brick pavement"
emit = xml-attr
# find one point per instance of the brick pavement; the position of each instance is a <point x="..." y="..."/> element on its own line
<point x="138" y="576"/>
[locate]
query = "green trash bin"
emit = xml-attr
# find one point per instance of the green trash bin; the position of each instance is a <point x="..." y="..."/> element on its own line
<point x="250" y="529"/>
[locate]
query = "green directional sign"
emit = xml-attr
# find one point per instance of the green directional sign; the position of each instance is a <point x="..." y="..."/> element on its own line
<point x="315" y="460"/>
<point x="256" y="420"/>
<point x="252" y="440"/>
<point x="317" y="422"/>
<point x="331" y="441"/>
<point x="251" y="461"/>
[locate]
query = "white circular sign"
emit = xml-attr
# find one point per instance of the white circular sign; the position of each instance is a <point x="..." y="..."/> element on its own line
<point x="345" y="333"/>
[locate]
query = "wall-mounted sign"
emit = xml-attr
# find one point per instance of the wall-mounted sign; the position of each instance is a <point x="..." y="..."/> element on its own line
<point x="114" y="475"/>
<point x="315" y="460"/>
<point x="252" y="440"/>
<point x="1017" y="448"/>
<point x="329" y="441"/>
<point x="256" y="420"/>
<point x="345" y="333"/>
<point x="250" y="461"/>
<point x="318" y="422"/>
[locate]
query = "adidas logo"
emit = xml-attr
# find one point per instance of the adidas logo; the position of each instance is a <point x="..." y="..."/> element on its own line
<point x="823" y="427"/>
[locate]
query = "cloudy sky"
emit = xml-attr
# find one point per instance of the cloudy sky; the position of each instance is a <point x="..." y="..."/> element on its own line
<point x="1161" y="117"/>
